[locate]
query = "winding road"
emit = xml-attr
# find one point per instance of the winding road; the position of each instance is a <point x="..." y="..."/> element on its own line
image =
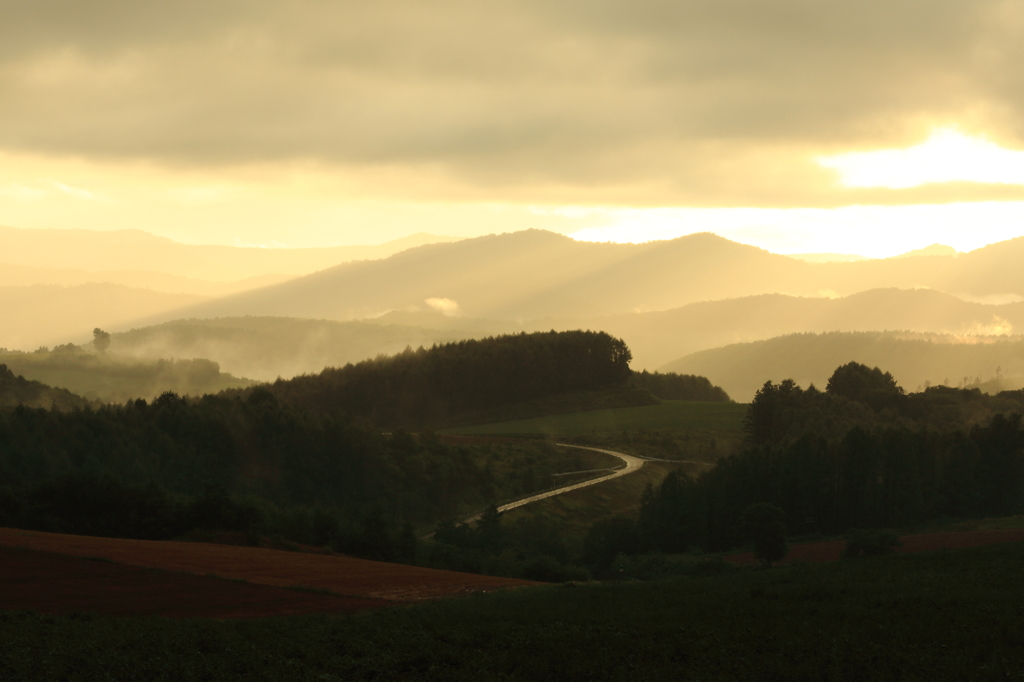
<point x="631" y="464"/>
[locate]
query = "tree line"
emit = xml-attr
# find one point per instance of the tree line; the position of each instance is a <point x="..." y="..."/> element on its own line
<point x="17" y="390"/>
<point x="139" y="470"/>
<point x="672" y="386"/>
<point x="428" y="386"/>
<point x="861" y="454"/>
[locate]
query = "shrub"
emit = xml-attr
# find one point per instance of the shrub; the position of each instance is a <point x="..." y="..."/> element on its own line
<point x="764" y="525"/>
<point x="876" y="542"/>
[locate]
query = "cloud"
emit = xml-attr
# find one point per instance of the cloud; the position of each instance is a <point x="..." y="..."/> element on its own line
<point x="645" y="101"/>
<point x="947" y="156"/>
<point x="76" y="192"/>
<point x="443" y="305"/>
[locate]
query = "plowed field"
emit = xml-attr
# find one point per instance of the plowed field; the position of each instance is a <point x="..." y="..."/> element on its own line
<point x="829" y="551"/>
<point x="364" y="583"/>
<point x="51" y="583"/>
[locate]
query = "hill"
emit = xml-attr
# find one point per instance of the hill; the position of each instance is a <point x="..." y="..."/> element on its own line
<point x="110" y="250"/>
<point x="916" y="360"/>
<point x="57" y="285"/>
<point x="457" y="380"/>
<point x="111" y="378"/>
<point x="49" y="315"/>
<point x="656" y="338"/>
<point x="23" y="275"/>
<point x="17" y="390"/>
<point x="266" y="348"/>
<point x="535" y="274"/>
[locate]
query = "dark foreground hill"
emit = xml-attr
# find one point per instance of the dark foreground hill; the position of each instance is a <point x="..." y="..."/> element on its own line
<point x="916" y="360"/>
<point x="535" y="274"/>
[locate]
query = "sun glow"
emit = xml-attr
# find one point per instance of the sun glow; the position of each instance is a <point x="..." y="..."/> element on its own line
<point x="873" y="231"/>
<point x="947" y="156"/>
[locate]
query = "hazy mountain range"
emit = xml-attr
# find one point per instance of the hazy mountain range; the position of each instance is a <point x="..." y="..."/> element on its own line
<point x="658" y="337"/>
<point x="265" y="348"/>
<point x="667" y="299"/>
<point x="119" y="250"/>
<point x="57" y="285"/>
<point x="993" y="363"/>
<point x="268" y="347"/>
<point x="534" y="274"/>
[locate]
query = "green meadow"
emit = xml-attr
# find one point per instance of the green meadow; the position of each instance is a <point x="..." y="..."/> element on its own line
<point x="952" y="615"/>
<point x="668" y="415"/>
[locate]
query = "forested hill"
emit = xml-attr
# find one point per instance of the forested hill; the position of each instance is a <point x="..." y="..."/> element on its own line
<point x="430" y="386"/>
<point x="17" y="390"/>
<point x="672" y="386"/>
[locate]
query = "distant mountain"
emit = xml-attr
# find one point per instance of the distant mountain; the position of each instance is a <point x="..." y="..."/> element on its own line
<point x="49" y="315"/>
<point x="25" y="275"/>
<point x="659" y="337"/>
<point x="522" y="275"/>
<point x="266" y="348"/>
<point x="57" y="285"/>
<point x="17" y="390"/>
<point x="535" y="274"/>
<point x="914" y="359"/>
<point x="110" y="378"/>
<point x="827" y="257"/>
<point x="931" y="250"/>
<point x="118" y="250"/>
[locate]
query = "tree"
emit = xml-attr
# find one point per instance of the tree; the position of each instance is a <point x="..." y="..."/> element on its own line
<point x="100" y="339"/>
<point x="863" y="384"/>
<point x="489" y="532"/>
<point x="607" y="539"/>
<point x="764" y="524"/>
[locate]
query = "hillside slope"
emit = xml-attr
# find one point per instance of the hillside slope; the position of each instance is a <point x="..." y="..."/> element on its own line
<point x="265" y="348"/>
<point x="913" y="359"/>
<point x="113" y="250"/>
<point x="52" y="315"/>
<point x="452" y="381"/>
<point x="660" y="337"/>
<point x="17" y="390"/>
<point x="535" y="274"/>
<point x="112" y="378"/>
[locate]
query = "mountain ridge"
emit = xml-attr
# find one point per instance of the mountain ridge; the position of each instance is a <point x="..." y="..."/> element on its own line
<point x="535" y="274"/>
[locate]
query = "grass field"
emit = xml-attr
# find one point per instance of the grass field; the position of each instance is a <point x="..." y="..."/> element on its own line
<point x="669" y="414"/>
<point x="577" y="511"/>
<point x="951" y="615"/>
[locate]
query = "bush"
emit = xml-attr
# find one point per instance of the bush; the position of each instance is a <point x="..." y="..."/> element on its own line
<point x="764" y="525"/>
<point x="877" y="542"/>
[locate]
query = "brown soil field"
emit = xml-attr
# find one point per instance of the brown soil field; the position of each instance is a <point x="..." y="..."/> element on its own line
<point x="814" y="552"/>
<point x="340" y="575"/>
<point x="52" y="583"/>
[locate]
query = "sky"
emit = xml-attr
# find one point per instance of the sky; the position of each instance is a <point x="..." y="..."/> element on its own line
<point x="798" y="125"/>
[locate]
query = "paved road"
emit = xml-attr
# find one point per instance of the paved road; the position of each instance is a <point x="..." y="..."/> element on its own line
<point x="631" y="464"/>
